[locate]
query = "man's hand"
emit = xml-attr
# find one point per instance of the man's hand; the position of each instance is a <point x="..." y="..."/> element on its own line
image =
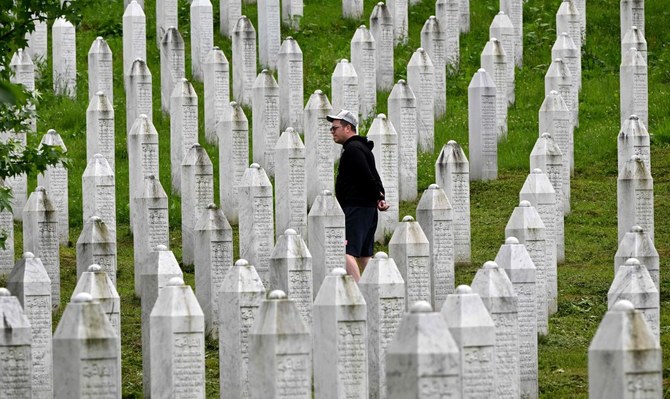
<point x="382" y="205"/>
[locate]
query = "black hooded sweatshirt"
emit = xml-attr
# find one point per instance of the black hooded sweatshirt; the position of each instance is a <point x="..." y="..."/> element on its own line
<point x="358" y="182"/>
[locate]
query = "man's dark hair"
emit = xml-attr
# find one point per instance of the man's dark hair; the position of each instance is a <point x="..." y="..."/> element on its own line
<point x="345" y="123"/>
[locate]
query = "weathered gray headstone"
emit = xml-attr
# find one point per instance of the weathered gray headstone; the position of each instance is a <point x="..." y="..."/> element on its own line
<point x="383" y="288"/>
<point x="15" y="349"/>
<point x="291" y="85"/>
<point x="625" y="358"/>
<point x="631" y="14"/>
<point x="30" y="283"/>
<point x="240" y="297"/>
<point x="216" y="71"/>
<point x="290" y="187"/>
<point x="7" y="227"/>
<point x="637" y="244"/>
<point x="139" y="96"/>
<point x="514" y="8"/>
<point x="399" y="14"/>
<point x="634" y="38"/>
<point x="40" y="236"/>
<point x="177" y="343"/>
<point x="87" y="351"/>
<point x="569" y="21"/>
<point x="64" y="55"/>
<point x="134" y="35"/>
<point x="433" y="40"/>
<point x="197" y="187"/>
<point x="502" y="29"/>
<point x="449" y="14"/>
<point x="291" y="13"/>
<point x="340" y="338"/>
<point x="269" y="32"/>
<point x="565" y="49"/>
<point x="385" y="152"/>
<point x="167" y="13"/>
<point x="634" y="86"/>
<point x="265" y="114"/>
<point x="633" y="283"/>
<point x="452" y="172"/>
<point x="100" y="128"/>
<point x="233" y="132"/>
<point x="421" y="79"/>
<point x="352" y="9"/>
<point x="554" y="118"/>
<point x="100" y="70"/>
<point x="547" y="156"/>
<point x="364" y="59"/>
<point x="325" y="236"/>
<point x="464" y="6"/>
<point x="498" y="295"/>
<point x="55" y="181"/>
<point x="23" y="69"/>
<point x="172" y="64"/>
<point x="435" y="215"/>
<point x="244" y="60"/>
<point x="381" y="27"/>
<point x="96" y="245"/>
<point x="344" y="87"/>
<point x="183" y="128"/>
<point x="423" y="359"/>
<point x="403" y="115"/>
<point x="95" y="281"/>
<point x="230" y="12"/>
<point x="280" y="351"/>
<point x="410" y="249"/>
<point x="516" y="262"/>
<point x="37" y="43"/>
<point x="635" y="198"/>
<point x="319" y="146"/>
<point x="99" y="192"/>
<point x="142" y="158"/>
<point x="494" y="60"/>
<point x="202" y="36"/>
<point x="483" y="127"/>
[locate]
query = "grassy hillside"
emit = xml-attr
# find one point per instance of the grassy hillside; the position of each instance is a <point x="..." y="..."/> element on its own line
<point x="591" y="229"/>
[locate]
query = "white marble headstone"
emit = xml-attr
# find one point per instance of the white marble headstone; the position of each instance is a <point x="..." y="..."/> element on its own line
<point x="352" y="9"/>
<point x="143" y="159"/>
<point x="494" y="60"/>
<point x="64" y="55"/>
<point x="291" y="83"/>
<point x="244" y="60"/>
<point x="634" y="38"/>
<point x="100" y="138"/>
<point x="292" y="13"/>
<point x="637" y="244"/>
<point x="364" y="59"/>
<point x="569" y="21"/>
<point x="55" y="181"/>
<point x="344" y="87"/>
<point x="202" y="36"/>
<point x="290" y="185"/>
<point x="565" y="49"/>
<point x="635" y="198"/>
<point x="230" y="12"/>
<point x="634" y="89"/>
<point x="449" y="14"/>
<point x="483" y="127"/>
<point x="197" y="188"/>
<point x="502" y="29"/>
<point x="134" y="35"/>
<point x="421" y="79"/>
<point x="514" y="8"/>
<point x="381" y="27"/>
<point x="265" y="120"/>
<point x="15" y="348"/>
<point x="139" y="97"/>
<point x="319" y="146"/>
<point x="269" y="32"/>
<point x="385" y="151"/>
<point x="434" y="41"/>
<point x="410" y="249"/>
<point x="95" y="281"/>
<point x="216" y="71"/>
<point x="100" y="71"/>
<point x="183" y="127"/>
<point x="173" y="67"/>
<point x="547" y="156"/>
<point x="96" y="245"/>
<point x="99" y="192"/>
<point x="403" y="114"/>
<point x="631" y="14"/>
<point x="399" y="15"/>
<point x="233" y="132"/>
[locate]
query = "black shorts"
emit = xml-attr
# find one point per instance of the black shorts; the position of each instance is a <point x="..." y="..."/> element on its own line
<point x="361" y="223"/>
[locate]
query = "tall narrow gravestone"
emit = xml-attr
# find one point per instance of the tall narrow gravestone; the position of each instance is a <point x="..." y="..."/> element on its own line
<point x="515" y="260"/>
<point x="96" y="282"/>
<point x="23" y="71"/>
<point x="625" y="356"/>
<point x="319" y="146"/>
<point x="325" y="236"/>
<point x="548" y="157"/>
<point x="352" y="9"/>
<point x="55" y="181"/>
<point x="64" y="55"/>
<point x="256" y="227"/>
<point x="40" y="236"/>
<point x="290" y="188"/>
<point x="100" y="69"/>
<point x="381" y="27"/>
<point x="497" y="293"/>
<point x="291" y="83"/>
<point x="514" y="8"/>
<point x="383" y="288"/>
<point x="134" y="35"/>
<point x="291" y="272"/>
<point x="240" y="296"/>
<point x="568" y="21"/>
<point x="410" y="249"/>
<point x="421" y="80"/>
<point x="565" y="49"/>
<point x="340" y="339"/>
<point x="87" y="352"/>
<point x="172" y="64"/>
<point x="96" y="245"/>
<point x="634" y="86"/>
<point x="177" y="343"/>
<point x="98" y="192"/>
<point x="502" y="29"/>
<point x="233" y="135"/>
<point x="265" y="114"/>
<point x="631" y="14"/>
<point x="399" y="14"/>
<point x="202" y="36"/>
<point x="30" y="283"/>
<point x="423" y="359"/>
<point x="139" y="96"/>
<point x="635" y="198"/>
<point x="280" y="351"/>
<point x="537" y="190"/>
<point x="37" y="42"/>
<point x="473" y="331"/>
<point x="197" y="187"/>
<point x="364" y="60"/>
<point x="385" y="152"/>
<point x="433" y="40"/>
<point x="634" y="38"/>
<point x="15" y="348"/>
<point x="269" y="35"/>
<point x="633" y="283"/>
<point x="7" y="226"/>
<point x="159" y="268"/>
<point x="292" y="13"/>
<point x="452" y="171"/>
<point x="464" y="24"/>
<point x="449" y="14"/>
<point x="633" y="139"/>
<point x="637" y="244"/>
<point x="559" y="78"/>
<point x="167" y="17"/>
<point x="183" y="127"/>
<point x="213" y="258"/>
<point x="494" y="60"/>
<point x="142" y="158"/>
<point x="526" y="225"/>
<point x="100" y="128"/>
<point x="554" y="117"/>
<point x="230" y="12"/>
<point x="435" y="215"/>
<point x="403" y="115"/>
<point x="483" y="127"/>
<point x="244" y="60"/>
<point x="344" y="87"/>
<point x="216" y="71"/>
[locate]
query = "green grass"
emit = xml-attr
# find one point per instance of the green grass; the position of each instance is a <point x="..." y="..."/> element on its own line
<point x="324" y="38"/>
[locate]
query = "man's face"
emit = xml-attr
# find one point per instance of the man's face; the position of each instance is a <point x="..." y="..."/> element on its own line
<point x="340" y="131"/>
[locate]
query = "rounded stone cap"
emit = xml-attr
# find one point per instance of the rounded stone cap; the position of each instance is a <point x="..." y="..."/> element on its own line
<point x="632" y="262"/>
<point x="420" y="50"/>
<point x="564" y="33"/>
<point x="546" y="135"/>
<point x="380" y="4"/>
<point x="362" y="27"/>
<point x="94" y="268"/>
<point x="408" y="218"/>
<point x="264" y="71"/>
<point x="317" y="91"/>
<point x="326" y="192"/>
<point x="421" y="307"/>
<point x="277" y="294"/>
<point x="82" y="297"/>
<point x="5" y="292"/>
<point x="99" y="93"/>
<point x="212" y="206"/>
<point x="215" y="48"/>
<point x="490" y="265"/>
<point x="290" y="232"/>
<point x="494" y="39"/>
<point x="161" y="247"/>
<point x="537" y="171"/>
<point x="402" y="82"/>
<point x="433" y="187"/>
<point x="344" y="60"/>
<point x="143" y="116"/>
<point x="339" y="272"/>
<point x="289" y="38"/>
<point x="636" y="229"/>
<point x="176" y="282"/>
<point x="623" y="306"/>
<point x="633" y="27"/>
<point x="98" y="38"/>
<point x="233" y="103"/>
<point x="40" y="189"/>
<point x="255" y="166"/>
<point x="95" y="219"/>
<point x="501" y="12"/>
<point x="525" y="204"/>
<point x="381" y="255"/>
<point x="289" y="129"/>
<point x="511" y="240"/>
<point x="183" y="80"/>
<point x="381" y="116"/>
<point x="242" y="262"/>
<point x="481" y="70"/>
<point x="553" y="93"/>
<point x="51" y="131"/>
<point x="28" y="255"/>
<point x="463" y="289"/>
<point x="451" y="142"/>
<point x="432" y="17"/>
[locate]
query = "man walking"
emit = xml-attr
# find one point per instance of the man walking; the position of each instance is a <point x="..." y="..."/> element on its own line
<point x="358" y="189"/>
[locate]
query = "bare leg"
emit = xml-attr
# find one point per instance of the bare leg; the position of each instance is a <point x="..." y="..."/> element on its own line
<point x="352" y="268"/>
<point x="363" y="262"/>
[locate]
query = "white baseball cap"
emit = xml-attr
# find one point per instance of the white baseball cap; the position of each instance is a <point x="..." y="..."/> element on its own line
<point x="344" y="115"/>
